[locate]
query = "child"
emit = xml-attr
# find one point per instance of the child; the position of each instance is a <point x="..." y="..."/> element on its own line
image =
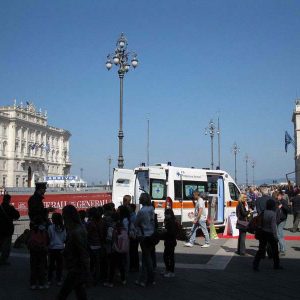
<point x="120" y="248"/>
<point x="57" y="238"/>
<point x="37" y="244"/>
<point x="95" y="241"/>
<point x="169" y="236"/>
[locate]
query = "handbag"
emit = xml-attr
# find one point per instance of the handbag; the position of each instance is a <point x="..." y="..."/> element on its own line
<point x="242" y="225"/>
<point x="255" y="226"/>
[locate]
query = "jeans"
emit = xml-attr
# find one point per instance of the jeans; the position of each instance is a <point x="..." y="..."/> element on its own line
<point x="134" y="255"/>
<point x="281" y="240"/>
<point x="202" y="225"/>
<point x="95" y="256"/>
<point x="169" y="258"/>
<point x="117" y="262"/>
<point x="55" y="263"/>
<point x="147" y="272"/>
<point x="5" y="245"/>
<point x="38" y="267"/>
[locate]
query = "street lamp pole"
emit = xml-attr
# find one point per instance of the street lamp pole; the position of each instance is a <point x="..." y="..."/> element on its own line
<point x="211" y="131"/>
<point x="235" y="150"/>
<point x="246" y="161"/>
<point x="121" y="58"/>
<point x="148" y="142"/>
<point x="253" y="166"/>
<point x="109" y="167"/>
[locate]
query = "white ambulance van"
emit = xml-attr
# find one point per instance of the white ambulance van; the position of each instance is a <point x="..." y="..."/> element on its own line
<point x="163" y="180"/>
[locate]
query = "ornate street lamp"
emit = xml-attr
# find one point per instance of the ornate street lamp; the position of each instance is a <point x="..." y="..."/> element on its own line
<point x="235" y="151"/>
<point x="123" y="60"/>
<point x="211" y="131"/>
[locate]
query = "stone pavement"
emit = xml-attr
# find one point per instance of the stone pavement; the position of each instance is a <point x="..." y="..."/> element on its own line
<point x="212" y="273"/>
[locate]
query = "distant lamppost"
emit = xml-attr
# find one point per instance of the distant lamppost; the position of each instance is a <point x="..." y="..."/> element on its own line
<point x="81" y="173"/>
<point x="121" y="58"/>
<point x="246" y="161"/>
<point x="211" y="131"/>
<point x="235" y="151"/>
<point x="253" y="163"/>
<point x="109" y="168"/>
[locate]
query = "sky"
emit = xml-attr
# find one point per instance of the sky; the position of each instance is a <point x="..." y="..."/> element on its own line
<point x="198" y="60"/>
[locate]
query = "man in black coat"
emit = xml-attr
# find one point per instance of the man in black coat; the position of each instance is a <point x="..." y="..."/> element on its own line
<point x="36" y="208"/>
<point x="8" y="214"/>
<point x="261" y="204"/>
<point x="296" y="211"/>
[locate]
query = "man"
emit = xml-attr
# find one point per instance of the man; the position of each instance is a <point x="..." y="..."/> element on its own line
<point x="296" y="211"/>
<point x="8" y="214"/>
<point x="200" y="217"/>
<point x="261" y="204"/>
<point x="36" y="208"/>
<point x="268" y="237"/>
<point x="262" y="201"/>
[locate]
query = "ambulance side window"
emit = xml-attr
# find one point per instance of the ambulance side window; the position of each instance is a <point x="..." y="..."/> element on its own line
<point x="157" y="189"/>
<point x="188" y="188"/>
<point x="234" y="192"/>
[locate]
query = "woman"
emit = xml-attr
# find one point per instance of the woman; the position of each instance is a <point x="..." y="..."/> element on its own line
<point x="242" y="213"/>
<point x="268" y="236"/>
<point x="76" y="255"/>
<point x="145" y="224"/>
<point x="169" y="237"/>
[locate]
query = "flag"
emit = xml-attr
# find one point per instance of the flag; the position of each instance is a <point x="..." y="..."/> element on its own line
<point x="288" y="140"/>
<point x="32" y="146"/>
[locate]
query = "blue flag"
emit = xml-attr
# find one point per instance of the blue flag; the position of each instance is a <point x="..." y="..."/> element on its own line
<point x="288" y="140"/>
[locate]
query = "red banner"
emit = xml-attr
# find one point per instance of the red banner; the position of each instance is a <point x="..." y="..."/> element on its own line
<point x="81" y="201"/>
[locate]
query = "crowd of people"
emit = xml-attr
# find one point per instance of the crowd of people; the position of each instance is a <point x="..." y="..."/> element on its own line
<point x="94" y="245"/>
<point x="270" y="205"/>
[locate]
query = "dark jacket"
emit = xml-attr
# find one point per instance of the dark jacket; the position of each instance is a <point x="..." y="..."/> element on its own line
<point x="76" y="251"/>
<point x="95" y="232"/>
<point x="170" y="233"/>
<point x="296" y="203"/>
<point x="7" y="215"/>
<point x="261" y="203"/>
<point x="36" y="208"/>
<point x="241" y="212"/>
<point x="282" y="212"/>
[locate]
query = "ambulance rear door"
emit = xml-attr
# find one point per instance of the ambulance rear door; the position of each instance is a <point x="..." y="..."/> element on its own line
<point x="123" y="184"/>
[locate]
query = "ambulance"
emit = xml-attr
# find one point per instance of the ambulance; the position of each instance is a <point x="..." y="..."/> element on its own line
<point x="166" y="183"/>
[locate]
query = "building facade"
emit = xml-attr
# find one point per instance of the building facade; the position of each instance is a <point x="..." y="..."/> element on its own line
<point x="30" y="149"/>
<point x="296" y="121"/>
